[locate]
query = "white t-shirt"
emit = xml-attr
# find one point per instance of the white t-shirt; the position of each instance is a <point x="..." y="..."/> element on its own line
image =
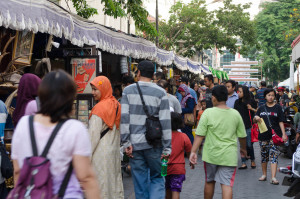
<point x="72" y="139"/>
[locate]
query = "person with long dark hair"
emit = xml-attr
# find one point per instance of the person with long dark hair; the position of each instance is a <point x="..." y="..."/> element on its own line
<point x="246" y="106"/>
<point x="273" y="116"/>
<point x="71" y="145"/>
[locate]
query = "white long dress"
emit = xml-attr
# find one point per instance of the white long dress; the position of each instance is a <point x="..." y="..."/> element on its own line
<point x="106" y="158"/>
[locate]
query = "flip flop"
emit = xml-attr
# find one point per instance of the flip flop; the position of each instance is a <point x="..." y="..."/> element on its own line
<point x="274" y="181"/>
<point x="262" y="178"/>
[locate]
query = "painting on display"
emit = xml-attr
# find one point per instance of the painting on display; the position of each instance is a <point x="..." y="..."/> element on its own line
<point x="83" y="71"/>
<point x="23" y="47"/>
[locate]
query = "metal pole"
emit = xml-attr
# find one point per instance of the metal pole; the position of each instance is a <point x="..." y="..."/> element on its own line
<point x="298" y="79"/>
<point x="156" y="21"/>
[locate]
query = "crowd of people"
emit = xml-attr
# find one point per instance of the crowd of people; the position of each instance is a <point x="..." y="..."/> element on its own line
<point x="149" y="121"/>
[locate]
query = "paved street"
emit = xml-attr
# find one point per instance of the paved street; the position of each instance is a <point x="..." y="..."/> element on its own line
<point x="246" y="184"/>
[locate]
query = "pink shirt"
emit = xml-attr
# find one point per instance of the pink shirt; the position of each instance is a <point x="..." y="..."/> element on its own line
<point x="31" y="108"/>
<point x="72" y="139"/>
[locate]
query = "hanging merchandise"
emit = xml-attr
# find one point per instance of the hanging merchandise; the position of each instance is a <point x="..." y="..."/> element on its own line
<point x="123" y="64"/>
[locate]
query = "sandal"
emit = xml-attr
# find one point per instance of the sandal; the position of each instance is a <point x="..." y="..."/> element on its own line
<point x="262" y="178"/>
<point x="253" y="165"/>
<point x="274" y="181"/>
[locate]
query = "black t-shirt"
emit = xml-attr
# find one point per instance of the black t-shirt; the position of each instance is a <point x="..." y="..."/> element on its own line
<point x="276" y="115"/>
<point x="208" y="96"/>
<point x="242" y="108"/>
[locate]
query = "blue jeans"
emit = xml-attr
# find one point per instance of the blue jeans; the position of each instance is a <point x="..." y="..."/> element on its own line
<point x="249" y="144"/>
<point x="141" y="163"/>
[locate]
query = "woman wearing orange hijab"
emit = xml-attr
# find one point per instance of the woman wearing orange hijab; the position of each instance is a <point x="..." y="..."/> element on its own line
<point x="105" y="138"/>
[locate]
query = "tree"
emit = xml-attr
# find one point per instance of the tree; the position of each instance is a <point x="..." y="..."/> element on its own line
<point x="276" y="28"/>
<point x="191" y="28"/>
<point x="119" y="8"/>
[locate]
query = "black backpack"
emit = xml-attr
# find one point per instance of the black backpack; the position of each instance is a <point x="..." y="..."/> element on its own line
<point x="6" y="165"/>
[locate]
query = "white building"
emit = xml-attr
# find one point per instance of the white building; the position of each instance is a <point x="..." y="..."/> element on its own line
<point x="121" y="24"/>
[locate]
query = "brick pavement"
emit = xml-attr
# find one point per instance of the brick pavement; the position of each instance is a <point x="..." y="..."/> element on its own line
<point x="246" y="184"/>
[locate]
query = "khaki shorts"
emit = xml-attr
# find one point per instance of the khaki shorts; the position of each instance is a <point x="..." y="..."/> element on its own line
<point x="222" y="174"/>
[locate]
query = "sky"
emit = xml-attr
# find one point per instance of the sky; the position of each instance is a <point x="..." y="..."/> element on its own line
<point x="166" y="5"/>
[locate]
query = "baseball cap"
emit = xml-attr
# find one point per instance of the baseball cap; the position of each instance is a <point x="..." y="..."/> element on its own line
<point x="280" y="89"/>
<point x="146" y="66"/>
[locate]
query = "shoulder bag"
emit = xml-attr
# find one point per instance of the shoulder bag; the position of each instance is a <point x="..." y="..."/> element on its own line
<point x="254" y="130"/>
<point x="103" y="133"/>
<point x="153" y="126"/>
<point x="277" y="140"/>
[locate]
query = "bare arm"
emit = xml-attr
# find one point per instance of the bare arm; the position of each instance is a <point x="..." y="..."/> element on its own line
<point x="193" y="156"/>
<point x="284" y="137"/>
<point x="86" y="176"/>
<point x="16" y="171"/>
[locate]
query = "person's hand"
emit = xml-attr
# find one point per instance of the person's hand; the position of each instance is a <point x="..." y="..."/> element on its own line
<point x="128" y="151"/>
<point x="192" y="166"/>
<point x="193" y="158"/>
<point x="257" y="118"/>
<point x="243" y="151"/>
<point x="284" y="137"/>
<point x="249" y="107"/>
<point x="165" y="156"/>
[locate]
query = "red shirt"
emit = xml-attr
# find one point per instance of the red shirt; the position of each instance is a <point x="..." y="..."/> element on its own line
<point x="180" y="143"/>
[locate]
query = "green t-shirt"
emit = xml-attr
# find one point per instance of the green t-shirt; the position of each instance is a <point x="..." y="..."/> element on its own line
<point x="221" y="128"/>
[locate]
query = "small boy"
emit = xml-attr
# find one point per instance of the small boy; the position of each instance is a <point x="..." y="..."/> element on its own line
<point x="176" y="165"/>
<point x="203" y="107"/>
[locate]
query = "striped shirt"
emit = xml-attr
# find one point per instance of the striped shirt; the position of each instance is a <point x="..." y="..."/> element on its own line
<point x="3" y="116"/>
<point x="133" y="117"/>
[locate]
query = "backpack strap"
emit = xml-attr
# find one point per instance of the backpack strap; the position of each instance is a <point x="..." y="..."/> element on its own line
<point x="65" y="182"/>
<point x="50" y="141"/>
<point x="142" y="99"/>
<point x="32" y="137"/>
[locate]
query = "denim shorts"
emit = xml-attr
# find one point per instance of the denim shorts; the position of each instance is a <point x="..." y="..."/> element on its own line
<point x="174" y="182"/>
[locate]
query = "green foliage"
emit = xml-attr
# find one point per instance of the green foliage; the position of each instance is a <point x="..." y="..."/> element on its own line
<point x="119" y="8"/>
<point x="191" y="28"/>
<point x="83" y="9"/>
<point x="276" y="31"/>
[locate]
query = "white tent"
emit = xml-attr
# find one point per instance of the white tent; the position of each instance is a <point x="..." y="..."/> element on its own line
<point x="287" y="81"/>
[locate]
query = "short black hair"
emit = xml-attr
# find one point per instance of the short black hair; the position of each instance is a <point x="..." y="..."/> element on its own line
<point x="288" y="90"/>
<point x="263" y="83"/>
<point x="209" y="77"/>
<point x="269" y="86"/>
<point x="160" y="75"/>
<point x="202" y="83"/>
<point x="185" y="80"/>
<point x="57" y="93"/>
<point x="127" y="79"/>
<point x="176" y="121"/>
<point x="232" y="82"/>
<point x="220" y="93"/>
<point x="163" y="83"/>
<point x="203" y="101"/>
<point x="269" y="90"/>
<point x="146" y="68"/>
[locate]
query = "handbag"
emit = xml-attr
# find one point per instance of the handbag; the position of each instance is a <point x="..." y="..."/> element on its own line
<point x="277" y="140"/>
<point x="189" y="119"/>
<point x="153" y="126"/>
<point x="254" y="130"/>
<point x="6" y="165"/>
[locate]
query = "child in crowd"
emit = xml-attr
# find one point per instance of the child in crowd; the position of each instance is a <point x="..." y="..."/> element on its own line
<point x="203" y="107"/>
<point x="176" y="165"/>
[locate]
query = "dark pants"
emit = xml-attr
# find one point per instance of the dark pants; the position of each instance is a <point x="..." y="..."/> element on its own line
<point x="188" y="131"/>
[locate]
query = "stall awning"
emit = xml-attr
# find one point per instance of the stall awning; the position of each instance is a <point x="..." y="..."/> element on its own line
<point x="194" y="67"/>
<point x="296" y="50"/>
<point x="46" y="17"/>
<point x="164" y="57"/>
